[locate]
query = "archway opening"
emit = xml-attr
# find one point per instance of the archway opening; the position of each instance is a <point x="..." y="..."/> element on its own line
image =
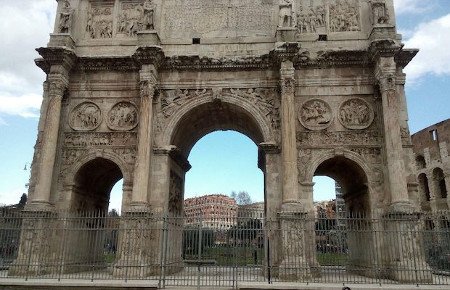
<point x="352" y="181"/>
<point x="93" y="243"/>
<point x="424" y="188"/>
<point x="93" y="184"/>
<point x="439" y="183"/>
<point x="225" y="159"/>
<point x="341" y="225"/>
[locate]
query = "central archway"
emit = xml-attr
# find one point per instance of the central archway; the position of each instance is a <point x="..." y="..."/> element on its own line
<point x="187" y="126"/>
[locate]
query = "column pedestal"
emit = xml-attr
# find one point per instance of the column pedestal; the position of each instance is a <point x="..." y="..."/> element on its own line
<point x="405" y="255"/>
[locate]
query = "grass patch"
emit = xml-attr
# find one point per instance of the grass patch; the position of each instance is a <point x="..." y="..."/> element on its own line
<point x="332" y="259"/>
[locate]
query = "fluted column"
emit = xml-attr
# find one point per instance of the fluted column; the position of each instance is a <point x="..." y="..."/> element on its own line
<point x="288" y="139"/>
<point x="385" y="74"/>
<point x="148" y="82"/>
<point x="57" y="85"/>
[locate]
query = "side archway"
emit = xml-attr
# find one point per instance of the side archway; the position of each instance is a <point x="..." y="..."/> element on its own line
<point x="352" y="174"/>
<point x="91" y="179"/>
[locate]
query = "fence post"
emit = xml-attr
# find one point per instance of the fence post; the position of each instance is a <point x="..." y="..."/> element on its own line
<point x="163" y="256"/>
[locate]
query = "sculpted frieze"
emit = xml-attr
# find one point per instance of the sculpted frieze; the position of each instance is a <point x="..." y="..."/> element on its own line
<point x="327" y="16"/>
<point x="312" y="19"/>
<point x="315" y="114"/>
<point x="100" y="20"/>
<point x="122" y="117"/>
<point x="135" y="16"/>
<point x="86" y="116"/>
<point x="325" y="138"/>
<point x="344" y="16"/>
<point x="114" y="139"/>
<point x="356" y="114"/>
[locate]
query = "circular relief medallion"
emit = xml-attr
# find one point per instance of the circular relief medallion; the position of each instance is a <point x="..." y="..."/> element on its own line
<point x="123" y="116"/>
<point x="356" y="114"/>
<point x="85" y="117"/>
<point x="315" y="114"/>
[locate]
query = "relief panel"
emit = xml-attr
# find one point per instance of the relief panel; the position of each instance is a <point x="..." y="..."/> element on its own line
<point x="100" y="19"/>
<point x="86" y="116"/>
<point x="122" y="117"/>
<point x="220" y="18"/>
<point x="322" y="17"/>
<point x="356" y="113"/>
<point x="315" y="114"/>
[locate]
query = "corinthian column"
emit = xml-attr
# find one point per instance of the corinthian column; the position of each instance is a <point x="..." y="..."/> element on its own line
<point x="385" y="74"/>
<point x="148" y="81"/>
<point x="57" y="85"/>
<point x="288" y="140"/>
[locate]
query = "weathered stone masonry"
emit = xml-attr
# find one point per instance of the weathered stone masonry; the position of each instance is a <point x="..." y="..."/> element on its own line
<point x="318" y="85"/>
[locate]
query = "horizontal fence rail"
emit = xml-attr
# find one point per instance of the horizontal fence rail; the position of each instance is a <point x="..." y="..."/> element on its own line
<point x="224" y="251"/>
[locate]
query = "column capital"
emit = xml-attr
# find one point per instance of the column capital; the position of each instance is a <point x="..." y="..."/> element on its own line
<point x="269" y="148"/>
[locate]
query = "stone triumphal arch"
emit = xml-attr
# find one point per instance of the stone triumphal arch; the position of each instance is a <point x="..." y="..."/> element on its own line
<point x="317" y="85"/>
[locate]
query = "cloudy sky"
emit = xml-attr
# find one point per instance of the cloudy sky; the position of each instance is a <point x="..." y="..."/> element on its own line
<point x="26" y="24"/>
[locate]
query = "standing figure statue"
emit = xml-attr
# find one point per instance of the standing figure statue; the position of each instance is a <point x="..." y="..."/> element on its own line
<point x="286" y="13"/>
<point x="65" y="17"/>
<point x="149" y="10"/>
<point x="379" y="12"/>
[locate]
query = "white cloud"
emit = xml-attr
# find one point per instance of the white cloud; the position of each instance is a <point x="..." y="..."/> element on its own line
<point x="25" y="25"/>
<point x="412" y="6"/>
<point x="12" y="196"/>
<point x="432" y="38"/>
<point x="24" y="105"/>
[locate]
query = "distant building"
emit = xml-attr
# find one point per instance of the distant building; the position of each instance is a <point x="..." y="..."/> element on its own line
<point x="216" y="211"/>
<point x="431" y="148"/>
<point x="251" y="211"/>
<point x="340" y="202"/>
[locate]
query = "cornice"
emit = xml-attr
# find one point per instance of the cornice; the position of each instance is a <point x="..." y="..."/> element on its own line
<point x="107" y="63"/>
<point x="149" y="55"/>
<point x="404" y="56"/>
<point x="55" y="56"/>
<point x="384" y="48"/>
<point x="335" y="58"/>
<point x="196" y="62"/>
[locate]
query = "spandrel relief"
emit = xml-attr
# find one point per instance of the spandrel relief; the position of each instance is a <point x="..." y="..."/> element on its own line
<point x="100" y="20"/>
<point x="85" y="117"/>
<point x="315" y="114"/>
<point x="122" y="117"/>
<point x="356" y="114"/>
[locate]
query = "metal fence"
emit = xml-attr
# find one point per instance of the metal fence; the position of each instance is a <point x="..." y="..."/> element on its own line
<point x="224" y="251"/>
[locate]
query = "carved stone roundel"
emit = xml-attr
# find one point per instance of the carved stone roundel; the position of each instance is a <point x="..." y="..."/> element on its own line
<point x="315" y="114"/>
<point x="356" y="114"/>
<point x="122" y="117"/>
<point x="86" y="116"/>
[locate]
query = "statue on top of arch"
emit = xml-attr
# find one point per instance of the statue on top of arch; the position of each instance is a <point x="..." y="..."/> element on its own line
<point x="65" y="17"/>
